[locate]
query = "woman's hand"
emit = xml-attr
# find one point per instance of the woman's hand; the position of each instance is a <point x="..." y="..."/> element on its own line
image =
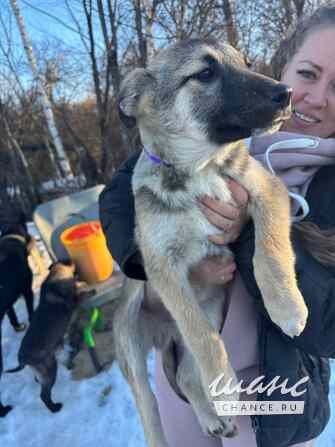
<point x="229" y="218"/>
<point x="213" y="270"/>
<point x="225" y="216"/>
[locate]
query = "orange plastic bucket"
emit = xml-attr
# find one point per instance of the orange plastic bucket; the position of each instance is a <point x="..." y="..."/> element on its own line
<point x="86" y="246"/>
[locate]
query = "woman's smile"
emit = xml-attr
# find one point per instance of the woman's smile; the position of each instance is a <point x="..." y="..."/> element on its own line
<point x="305" y="118"/>
<point x="311" y="74"/>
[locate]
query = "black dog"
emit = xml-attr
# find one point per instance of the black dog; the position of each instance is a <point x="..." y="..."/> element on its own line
<point x="60" y="295"/>
<point x="15" y="276"/>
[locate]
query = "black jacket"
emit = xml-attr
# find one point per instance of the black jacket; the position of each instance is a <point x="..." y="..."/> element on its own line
<point x="279" y="355"/>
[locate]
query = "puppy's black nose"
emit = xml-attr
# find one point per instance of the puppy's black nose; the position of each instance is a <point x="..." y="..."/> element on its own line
<point x="282" y="95"/>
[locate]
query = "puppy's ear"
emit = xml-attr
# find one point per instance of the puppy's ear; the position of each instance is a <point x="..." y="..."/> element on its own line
<point x="132" y="88"/>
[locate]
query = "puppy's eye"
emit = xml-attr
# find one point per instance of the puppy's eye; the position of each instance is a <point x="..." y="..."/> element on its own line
<point x="204" y="75"/>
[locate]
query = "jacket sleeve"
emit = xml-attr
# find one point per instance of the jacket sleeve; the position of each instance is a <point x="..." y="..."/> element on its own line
<point x="117" y="216"/>
<point x="316" y="282"/>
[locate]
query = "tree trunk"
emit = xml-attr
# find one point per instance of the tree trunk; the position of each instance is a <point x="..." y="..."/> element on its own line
<point x="89" y="166"/>
<point x="230" y="23"/>
<point x="32" y="192"/>
<point x="289" y="14"/>
<point x="150" y="8"/>
<point x="299" y="6"/>
<point x="47" y="107"/>
<point x="142" y="42"/>
<point x="58" y="174"/>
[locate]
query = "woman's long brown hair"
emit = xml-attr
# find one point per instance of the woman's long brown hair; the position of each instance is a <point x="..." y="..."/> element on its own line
<point x="319" y="243"/>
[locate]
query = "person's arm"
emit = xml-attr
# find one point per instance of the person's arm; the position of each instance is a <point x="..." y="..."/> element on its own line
<point x="117" y="216"/>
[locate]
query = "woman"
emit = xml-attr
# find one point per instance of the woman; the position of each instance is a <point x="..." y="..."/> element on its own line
<point x="306" y="62"/>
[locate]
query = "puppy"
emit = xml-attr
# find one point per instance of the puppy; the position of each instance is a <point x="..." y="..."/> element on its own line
<point x="194" y="105"/>
<point x="60" y="296"/>
<point x="15" y="276"/>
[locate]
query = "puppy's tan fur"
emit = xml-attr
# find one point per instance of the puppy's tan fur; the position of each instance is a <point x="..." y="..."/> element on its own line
<point x="193" y="105"/>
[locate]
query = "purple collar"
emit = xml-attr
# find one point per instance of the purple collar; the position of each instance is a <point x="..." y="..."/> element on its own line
<point x="155" y="159"/>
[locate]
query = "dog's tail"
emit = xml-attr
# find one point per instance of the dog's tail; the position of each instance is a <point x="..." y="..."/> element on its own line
<point x="14" y="370"/>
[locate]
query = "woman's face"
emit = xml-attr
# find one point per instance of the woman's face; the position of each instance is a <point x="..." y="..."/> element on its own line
<point x="311" y="74"/>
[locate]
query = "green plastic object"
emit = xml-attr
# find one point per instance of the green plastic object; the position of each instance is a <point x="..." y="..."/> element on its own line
<point x="95" y="323"/>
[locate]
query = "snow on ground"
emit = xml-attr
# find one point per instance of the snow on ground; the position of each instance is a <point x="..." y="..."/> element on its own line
<point x="90" y="417"/>
<point x="97" y="412"/>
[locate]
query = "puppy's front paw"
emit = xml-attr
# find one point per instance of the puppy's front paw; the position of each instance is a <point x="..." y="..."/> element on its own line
<point x="292" y="317"/>
<point x="219" y="427"/>
<point x="295" y="325"/>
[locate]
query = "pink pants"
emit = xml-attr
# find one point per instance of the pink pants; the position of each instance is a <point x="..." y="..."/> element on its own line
<point x="181" y="426"/>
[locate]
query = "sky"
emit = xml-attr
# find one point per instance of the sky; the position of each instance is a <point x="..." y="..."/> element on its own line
<point x="52" y="31"/>
<point x="49" y="17"/>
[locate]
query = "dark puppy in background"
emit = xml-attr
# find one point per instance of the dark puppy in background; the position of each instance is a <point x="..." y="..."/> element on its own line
<point x="15" y="275"/>
<point x="60" y="295"/>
